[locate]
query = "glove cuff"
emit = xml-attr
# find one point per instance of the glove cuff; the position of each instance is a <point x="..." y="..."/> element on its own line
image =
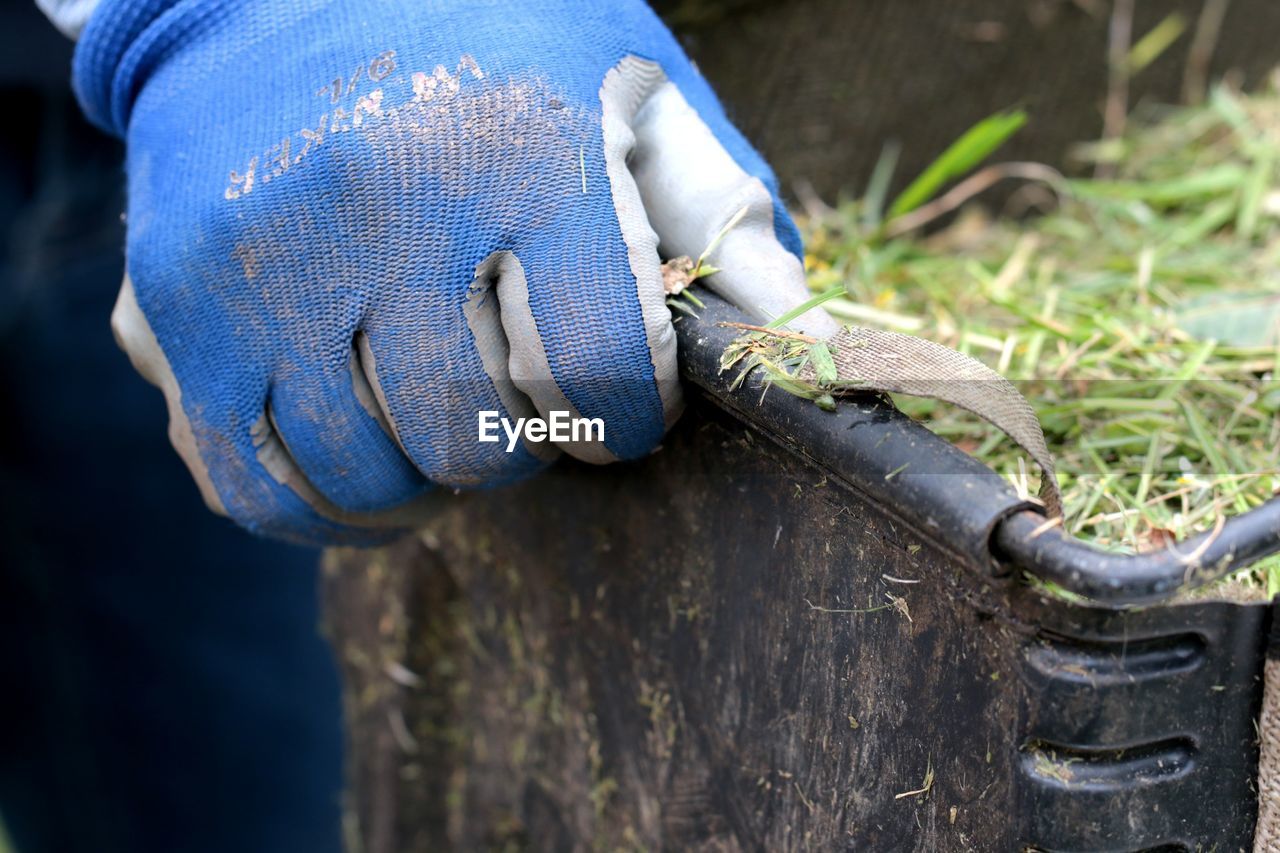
<point x="116" y="50"/>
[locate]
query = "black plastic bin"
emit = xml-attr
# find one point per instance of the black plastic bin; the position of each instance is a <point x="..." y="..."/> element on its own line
<point x="793" y="630"/>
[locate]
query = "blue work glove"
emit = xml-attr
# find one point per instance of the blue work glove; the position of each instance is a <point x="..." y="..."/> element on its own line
<point x="354" y="226"/>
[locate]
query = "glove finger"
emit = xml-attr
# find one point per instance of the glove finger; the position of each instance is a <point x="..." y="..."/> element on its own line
<point x="262" y="487"/>
<point x="286" y="505"/>
<point x="583" y="302"/>
<point x="134" y="336"/>
<point x="692" y="185"/>
<point x="330" y="421"/>
<point x="436" y="365"/>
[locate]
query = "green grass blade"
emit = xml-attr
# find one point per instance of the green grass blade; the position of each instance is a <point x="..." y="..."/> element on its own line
<point x="823" y="365"/>
<point x="977" y="143"/>
<point x="806" y="306"/>
<point x="878" y="186"/>
<point x="1213" y="181"/>
<point x="1153" y="44"/>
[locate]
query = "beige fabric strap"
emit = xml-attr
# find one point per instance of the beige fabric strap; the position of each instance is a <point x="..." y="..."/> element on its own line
<point x="874" y="360"/>
<point x="1266" y="838"/>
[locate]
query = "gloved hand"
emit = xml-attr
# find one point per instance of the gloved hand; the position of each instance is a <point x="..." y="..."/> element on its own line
<point x="353" y="226"/>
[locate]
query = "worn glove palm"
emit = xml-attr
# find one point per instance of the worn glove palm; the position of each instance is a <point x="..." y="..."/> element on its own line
<point x="353" y="226"/>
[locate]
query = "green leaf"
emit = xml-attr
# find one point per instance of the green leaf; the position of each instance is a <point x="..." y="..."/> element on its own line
<point x="977" y="143"/>
<point x="1234" y="319"/>
<point x="824" y="367"/>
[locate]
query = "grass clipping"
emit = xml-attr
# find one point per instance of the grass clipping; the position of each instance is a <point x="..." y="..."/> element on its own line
<point x="1140" y="315"/>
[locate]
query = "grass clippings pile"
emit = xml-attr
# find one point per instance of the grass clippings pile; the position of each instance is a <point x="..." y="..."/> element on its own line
<point x="1140" y="314"/>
